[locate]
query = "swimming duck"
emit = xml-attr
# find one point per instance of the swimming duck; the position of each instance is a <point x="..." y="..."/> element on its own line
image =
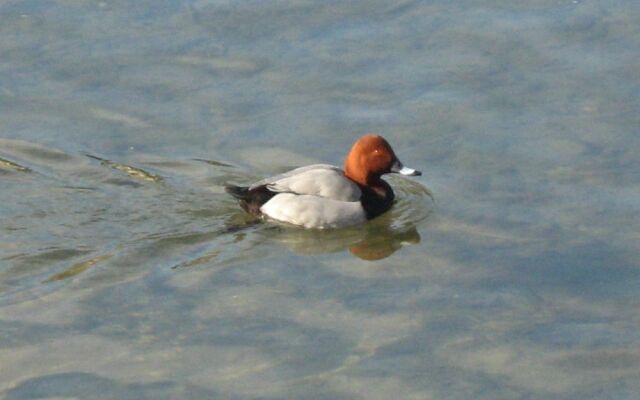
<point x="325" y="196"/>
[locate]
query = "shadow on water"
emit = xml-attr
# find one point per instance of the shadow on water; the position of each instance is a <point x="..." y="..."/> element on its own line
<point x="106" y="222"/>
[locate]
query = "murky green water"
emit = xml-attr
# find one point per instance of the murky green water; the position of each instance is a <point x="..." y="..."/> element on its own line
<point x="127" y="273"/>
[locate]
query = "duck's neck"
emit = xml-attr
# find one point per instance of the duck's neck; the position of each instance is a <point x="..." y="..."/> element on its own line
<point x="359" y="176"/>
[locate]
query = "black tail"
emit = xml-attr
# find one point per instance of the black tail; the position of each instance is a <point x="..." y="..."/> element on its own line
<point x="250" y="200"/>
<point x="239" y="192"/>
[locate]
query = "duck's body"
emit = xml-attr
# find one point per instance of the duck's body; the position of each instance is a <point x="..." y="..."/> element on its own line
<point x="324" y="196"/>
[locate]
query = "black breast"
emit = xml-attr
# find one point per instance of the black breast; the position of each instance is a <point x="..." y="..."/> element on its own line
<point x="377" y="200"/>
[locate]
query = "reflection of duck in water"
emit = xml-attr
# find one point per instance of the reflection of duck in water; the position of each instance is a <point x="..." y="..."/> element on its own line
<point x="384" y="243"/>
<point x="373" y="242"/>
<point x="324" y="196"/>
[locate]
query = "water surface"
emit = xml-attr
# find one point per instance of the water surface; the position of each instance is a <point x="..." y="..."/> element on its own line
<point x="126" y="272"/>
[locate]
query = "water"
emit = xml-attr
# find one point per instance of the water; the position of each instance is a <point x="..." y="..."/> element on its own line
<point x="126" y="272"/>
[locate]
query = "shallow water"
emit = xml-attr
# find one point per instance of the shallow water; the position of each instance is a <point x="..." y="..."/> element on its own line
<point x="127" y="272"/>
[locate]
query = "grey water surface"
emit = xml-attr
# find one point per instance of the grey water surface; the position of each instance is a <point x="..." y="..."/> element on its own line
<point x="509" y="270"/>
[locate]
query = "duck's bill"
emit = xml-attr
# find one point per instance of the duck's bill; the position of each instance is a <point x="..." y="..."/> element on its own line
<point x="409" y="171"/>
<point x="402" y="170"/>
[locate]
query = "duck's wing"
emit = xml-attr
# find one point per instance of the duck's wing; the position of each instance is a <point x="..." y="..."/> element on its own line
<point x="316" y="180"/>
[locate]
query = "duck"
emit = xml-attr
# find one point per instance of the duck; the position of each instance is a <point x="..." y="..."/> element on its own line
<point x="324" y="196"/>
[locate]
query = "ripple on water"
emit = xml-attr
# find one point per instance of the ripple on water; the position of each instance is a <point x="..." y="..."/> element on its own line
<point x="12" y="166"/>
<point x="130" y="171"/>
<point x="414" y="201"/>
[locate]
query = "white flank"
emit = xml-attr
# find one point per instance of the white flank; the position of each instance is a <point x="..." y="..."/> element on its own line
<point x="313" y="211"/>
